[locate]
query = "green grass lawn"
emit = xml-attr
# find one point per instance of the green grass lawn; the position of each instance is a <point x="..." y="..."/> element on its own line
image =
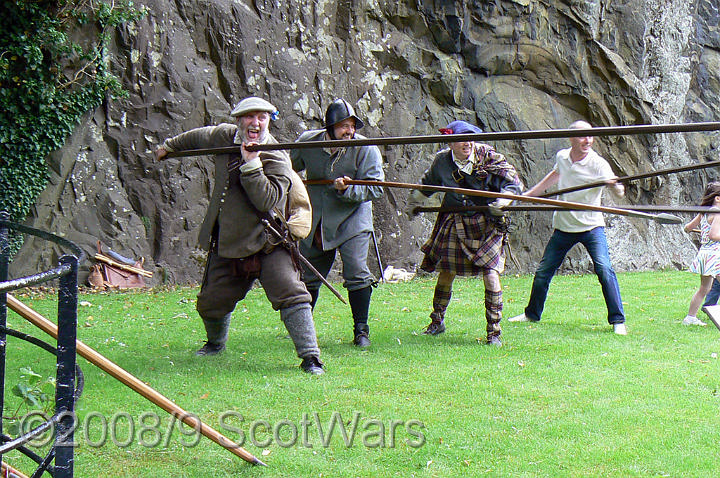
<point x="563" y="397"/>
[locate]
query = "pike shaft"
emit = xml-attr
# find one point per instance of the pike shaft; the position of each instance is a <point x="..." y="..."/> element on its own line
<point x="445" y="138"/>
<point x="538" y="207"/>
<point x="489" y="194"/>
<point x="660" y="172"/>
<point x="498" y="136"/>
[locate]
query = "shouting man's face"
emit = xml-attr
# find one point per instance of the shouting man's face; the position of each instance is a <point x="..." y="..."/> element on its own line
<point x="253" y="126"/>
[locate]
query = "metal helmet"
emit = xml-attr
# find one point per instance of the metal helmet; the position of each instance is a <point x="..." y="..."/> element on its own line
<point x="338" y="111"/>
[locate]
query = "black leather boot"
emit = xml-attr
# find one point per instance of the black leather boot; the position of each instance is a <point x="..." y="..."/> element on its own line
<point x="312" y="365"/>
<point x="360" y="305"/>
<point x="217" y="335"/>
<point x="210" y="348"/>
<point x="314" y="293"/>
<point x="362" y="338"/>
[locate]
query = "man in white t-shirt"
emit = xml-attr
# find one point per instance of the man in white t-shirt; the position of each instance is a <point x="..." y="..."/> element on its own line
<point x="575" y="166"/>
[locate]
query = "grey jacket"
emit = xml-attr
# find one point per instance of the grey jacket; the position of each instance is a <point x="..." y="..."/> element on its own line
<point x="344" y="214"/>
<point x="236" y="196"/>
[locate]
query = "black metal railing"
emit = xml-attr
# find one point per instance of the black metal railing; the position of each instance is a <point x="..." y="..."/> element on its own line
<point x="68" y="377"/>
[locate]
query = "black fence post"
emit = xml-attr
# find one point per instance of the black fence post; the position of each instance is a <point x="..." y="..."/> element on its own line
<point x="66" y="349"/>
<point x="4" y="263"/>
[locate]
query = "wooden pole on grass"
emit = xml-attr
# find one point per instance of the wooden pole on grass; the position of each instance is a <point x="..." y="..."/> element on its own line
<point x="9" y="471"/>
<point x="134" y="383"/>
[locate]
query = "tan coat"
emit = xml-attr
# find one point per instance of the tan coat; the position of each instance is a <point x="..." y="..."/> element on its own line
<point x="238" y="196"/>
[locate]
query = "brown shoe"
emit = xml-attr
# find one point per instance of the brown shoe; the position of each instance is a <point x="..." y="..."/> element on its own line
<point x="435" y="328"/>
<point x="494" y="340"/>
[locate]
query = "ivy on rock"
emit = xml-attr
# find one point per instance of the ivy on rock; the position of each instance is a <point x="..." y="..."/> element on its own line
<point x="47" y="83"/>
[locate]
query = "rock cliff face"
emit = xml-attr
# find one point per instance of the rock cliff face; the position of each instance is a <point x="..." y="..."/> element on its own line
<point x="410" y="67"/>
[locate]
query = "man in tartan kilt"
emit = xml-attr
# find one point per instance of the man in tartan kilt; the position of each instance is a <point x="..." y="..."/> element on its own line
<point x="472" y="242"/>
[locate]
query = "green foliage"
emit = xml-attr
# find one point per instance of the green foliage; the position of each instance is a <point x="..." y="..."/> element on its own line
<point x="48" y="83"/>
<point x="147" y="223"/>
<point x="37" y="394"/>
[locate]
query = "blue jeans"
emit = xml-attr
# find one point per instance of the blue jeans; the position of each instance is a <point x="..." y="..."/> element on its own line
<point x="557" y="248"/>
<point x="713" y="295"/>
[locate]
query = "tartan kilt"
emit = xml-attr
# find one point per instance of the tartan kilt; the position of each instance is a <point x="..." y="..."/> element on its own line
<point x="464" y="245"/>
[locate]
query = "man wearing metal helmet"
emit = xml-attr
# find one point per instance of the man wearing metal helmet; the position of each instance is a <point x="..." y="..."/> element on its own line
<point x="248" y="187"/>
<point x="467" y="243"/>
<point x="342" y="214"/>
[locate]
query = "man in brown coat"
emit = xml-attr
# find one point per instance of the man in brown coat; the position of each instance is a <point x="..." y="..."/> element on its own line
<point x="248" y="187"/>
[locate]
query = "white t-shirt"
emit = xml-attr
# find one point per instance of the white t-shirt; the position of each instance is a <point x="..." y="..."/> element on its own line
<point x="591" y="168"/>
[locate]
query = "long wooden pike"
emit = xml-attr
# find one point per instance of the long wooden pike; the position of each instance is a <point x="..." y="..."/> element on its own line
<point x="542" y="207"/>
<point x="9" y="471"/>
<point x="134" y="383"/>
<point x="451" y="138"/>
<point x="659" y="172"/>
<point x="659" y="218"/>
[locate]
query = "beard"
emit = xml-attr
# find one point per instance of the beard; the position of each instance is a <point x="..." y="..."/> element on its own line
<point x="262" y="136"/>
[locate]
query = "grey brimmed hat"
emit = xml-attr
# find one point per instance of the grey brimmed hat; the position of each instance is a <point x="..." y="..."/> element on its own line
<point x="253" y="103"/>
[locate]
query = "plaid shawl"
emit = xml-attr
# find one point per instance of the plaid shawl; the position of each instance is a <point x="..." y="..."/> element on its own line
<point x="490" y="161"/>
